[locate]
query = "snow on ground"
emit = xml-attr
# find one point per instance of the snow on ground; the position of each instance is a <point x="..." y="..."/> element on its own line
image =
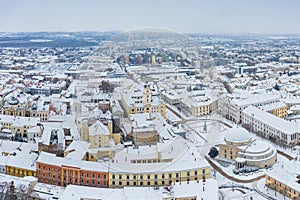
<point x="245" y="176"/>
<point x="241" y="176"/>
<point x="272" y="193"/>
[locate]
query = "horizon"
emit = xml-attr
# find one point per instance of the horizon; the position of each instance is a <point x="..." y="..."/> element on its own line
<point x="215" y="17"/>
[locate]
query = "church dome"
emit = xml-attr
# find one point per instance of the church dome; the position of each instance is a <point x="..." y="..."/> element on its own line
<point x="237" y="135"/>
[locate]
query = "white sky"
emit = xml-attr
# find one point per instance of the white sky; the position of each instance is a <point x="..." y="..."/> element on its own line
<point x="201" y="16"/>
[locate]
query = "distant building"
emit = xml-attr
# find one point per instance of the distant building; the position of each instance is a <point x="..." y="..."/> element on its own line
<point x="153" y="59"/>
<point x="18" y="126"/>
<point x="170" y="97"/>
<point x="143" y="101"/>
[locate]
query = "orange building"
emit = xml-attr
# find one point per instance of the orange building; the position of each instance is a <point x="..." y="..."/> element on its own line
<point x="61" y="171"/>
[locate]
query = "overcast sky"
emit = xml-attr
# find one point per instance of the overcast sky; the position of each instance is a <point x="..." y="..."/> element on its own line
<point x="198" y="16"/>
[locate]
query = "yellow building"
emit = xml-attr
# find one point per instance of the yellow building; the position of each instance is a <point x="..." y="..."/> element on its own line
<point x="199" y="105"/>
<point x="118" y="180"/>
<point x="153" y="59"/>
<point x="144" y="101"/>
<point x="278" y="109"/>
<point x="100" y="137"/>
<point x="239" y="147"/>
<point x="98" y="134"/>
<point x="18" y="158"/>
<point x="18" y="125"/>
<point x="284" y="186"/>
<point x="13" y="110"/>
<point x="158" y="165"/>
<point x="20" y="172"/>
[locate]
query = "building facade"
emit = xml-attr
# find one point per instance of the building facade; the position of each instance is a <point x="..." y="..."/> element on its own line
<point x="269" y="126"/>
<point x="144" y="101"/>
<point x="61" y="171"/>
<point x="240" y="148"/>
<point x="119" y="180"/>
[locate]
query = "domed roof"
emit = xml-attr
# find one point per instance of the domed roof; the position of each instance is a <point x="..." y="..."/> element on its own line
<point x="13" y="101"/>
<point x="237" y="135"/>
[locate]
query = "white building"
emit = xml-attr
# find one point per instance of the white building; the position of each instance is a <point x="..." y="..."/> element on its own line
<point x="232" y="105"/>
<point x="270" y="126"/>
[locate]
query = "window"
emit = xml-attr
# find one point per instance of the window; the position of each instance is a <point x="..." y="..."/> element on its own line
<point x="113" y="183"/>
<point x="127" y="177"/>
<point x="113" y="176"/>
<point x="141" y="177"/>
<point x="155" y="176"/>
